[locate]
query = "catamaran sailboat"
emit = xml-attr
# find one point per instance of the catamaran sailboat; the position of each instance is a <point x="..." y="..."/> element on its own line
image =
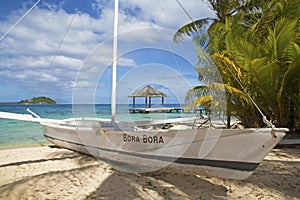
<point x="225" y="153"/>
<point x="173" y="143"/>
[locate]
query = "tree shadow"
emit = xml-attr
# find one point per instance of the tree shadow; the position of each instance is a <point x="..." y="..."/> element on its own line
<point x="45" y="185"/>
<point x="279" y="175"/>
<point x="35" y="179"/>
<point x="89" y="178"/>
<point x="162" y="184"/>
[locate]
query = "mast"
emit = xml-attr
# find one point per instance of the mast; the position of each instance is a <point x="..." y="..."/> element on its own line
<point x="114" y="64"/>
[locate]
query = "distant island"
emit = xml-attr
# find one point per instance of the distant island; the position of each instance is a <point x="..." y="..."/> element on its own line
<point x="38" y="100"/>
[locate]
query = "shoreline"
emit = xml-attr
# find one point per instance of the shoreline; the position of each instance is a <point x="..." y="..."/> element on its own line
<point x="49" y="172"/>
<point x="23" y="145"/>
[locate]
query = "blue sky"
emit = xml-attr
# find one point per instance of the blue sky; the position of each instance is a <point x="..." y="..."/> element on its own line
<point x="32" y="64"/>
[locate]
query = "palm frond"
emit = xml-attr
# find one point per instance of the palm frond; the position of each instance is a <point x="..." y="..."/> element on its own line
<point x="232" y="92"/>
<point x="192" y="28"/>
<point x="290" y="90"/>
<point x="204" y="101"/>
<point x="227" y="66"/>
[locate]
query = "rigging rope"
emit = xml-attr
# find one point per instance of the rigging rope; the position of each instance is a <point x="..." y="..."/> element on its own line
<point x="189" y="16"/>
<point x="63" y="39"/>
<point x="168" y="43"/>
<point x="265" y="120"/>
<point x="65" y="34"/>
<point x="18" y="21"/>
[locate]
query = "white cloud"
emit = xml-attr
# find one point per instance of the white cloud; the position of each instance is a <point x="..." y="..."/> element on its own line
<point x="67" y="62"/>
<point x="126" y="62"/>
<point x="82" y="84"/>
<point x="20" y="76"/>
<point x="47" y="77"/>
<point x="27" y="51"/>
<point x="168" y="13"/>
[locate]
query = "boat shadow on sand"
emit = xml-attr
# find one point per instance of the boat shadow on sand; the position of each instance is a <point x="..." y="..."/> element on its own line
<point x="65" y="174"/>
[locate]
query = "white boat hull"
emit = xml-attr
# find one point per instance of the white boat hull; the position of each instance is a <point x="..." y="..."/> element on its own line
<point x="224" y="153"/>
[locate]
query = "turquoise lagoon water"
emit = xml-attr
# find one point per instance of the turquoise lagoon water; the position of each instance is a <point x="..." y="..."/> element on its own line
<point x="16" y="134"/>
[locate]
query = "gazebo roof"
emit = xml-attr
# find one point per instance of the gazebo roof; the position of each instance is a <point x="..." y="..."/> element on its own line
<point x="148" y="91"/>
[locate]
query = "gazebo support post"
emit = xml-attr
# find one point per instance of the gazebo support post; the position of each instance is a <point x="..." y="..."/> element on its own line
<point x="162" y="101"/>
<point x="133" y="102"/>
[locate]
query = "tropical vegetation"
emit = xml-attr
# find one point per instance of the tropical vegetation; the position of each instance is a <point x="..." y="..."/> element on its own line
<point x="255" y="45"/>
<point x="38" y="100"/>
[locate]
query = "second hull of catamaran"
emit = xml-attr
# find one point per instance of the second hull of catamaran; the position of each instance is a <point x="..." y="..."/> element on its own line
<point x="224" y="153"/>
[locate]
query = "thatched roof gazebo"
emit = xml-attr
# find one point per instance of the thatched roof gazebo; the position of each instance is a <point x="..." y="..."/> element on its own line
<point x="148" y="92"/>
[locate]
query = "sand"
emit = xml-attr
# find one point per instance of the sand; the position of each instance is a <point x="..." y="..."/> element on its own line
<point x="54" y="173"/>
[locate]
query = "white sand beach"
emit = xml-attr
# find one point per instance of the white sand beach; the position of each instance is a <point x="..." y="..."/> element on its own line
<point x="54" y="173"/>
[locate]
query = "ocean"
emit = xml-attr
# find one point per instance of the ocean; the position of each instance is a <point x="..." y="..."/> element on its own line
<point x="17" y="134"/>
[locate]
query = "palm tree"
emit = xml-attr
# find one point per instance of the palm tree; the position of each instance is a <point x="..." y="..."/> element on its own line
<point x="222" y="8"/>
<point x="214" y="45"/>
<point x="265" y="58"/>
<point x="269" y="53"/>
<point x="275" y="70"/>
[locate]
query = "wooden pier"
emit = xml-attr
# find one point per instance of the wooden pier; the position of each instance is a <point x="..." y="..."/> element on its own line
<point x="160" y="110"/>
